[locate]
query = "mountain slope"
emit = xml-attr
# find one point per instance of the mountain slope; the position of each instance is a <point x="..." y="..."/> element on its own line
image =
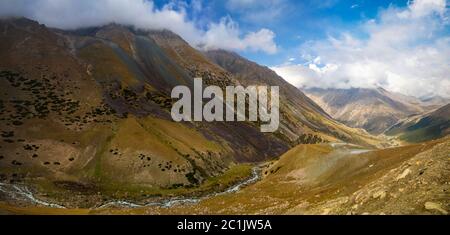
<point x="299" y="114"/>
<point x="432" y="125"/>
<point x="339" y="180"/>
<point x="88" y="111"/>
<point x="323" y="179"/>
<point x="371" y="109"/>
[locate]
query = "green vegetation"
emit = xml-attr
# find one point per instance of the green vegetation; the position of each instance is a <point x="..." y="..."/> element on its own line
<point x="425" y="133"/>
<point x="60" y="190"/>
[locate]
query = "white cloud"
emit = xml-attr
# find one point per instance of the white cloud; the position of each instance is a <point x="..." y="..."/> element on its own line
<point x="405" y="50"/>
<point x="72" y="14"/>
<point x="421" y="8"/>
<point x="225" y="34"/>
<point x="258" y="10"/>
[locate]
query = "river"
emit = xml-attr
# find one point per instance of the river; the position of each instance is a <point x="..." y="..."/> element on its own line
<point x="22" y="193"/>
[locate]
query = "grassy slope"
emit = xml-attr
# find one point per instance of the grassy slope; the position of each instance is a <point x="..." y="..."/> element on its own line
<point x="126" y="157"/>
<point x="126" y="175"/>
<point x="429" y="126"/>
<point x="314" y="179"/>
<point x="318" y="179"/>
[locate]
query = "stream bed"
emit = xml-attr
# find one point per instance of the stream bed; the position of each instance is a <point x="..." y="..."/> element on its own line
<point x="22" y="193"/>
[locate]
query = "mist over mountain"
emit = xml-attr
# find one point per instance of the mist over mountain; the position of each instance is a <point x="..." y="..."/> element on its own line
<point x="223" y="33"/>
<point x="86" y="121"/>
<point x="402" y="49"/>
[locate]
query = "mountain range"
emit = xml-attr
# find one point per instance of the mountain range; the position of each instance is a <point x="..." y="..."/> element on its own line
<point x="428" y="126"/>
<point x="89" y="109"/>
<point x="85" y="124"/>
<point x="373" y="110"/>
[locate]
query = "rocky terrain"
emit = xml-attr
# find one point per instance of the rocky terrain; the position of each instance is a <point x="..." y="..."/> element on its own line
<point x="341" y="179"/>
<point x="326" y="179"/>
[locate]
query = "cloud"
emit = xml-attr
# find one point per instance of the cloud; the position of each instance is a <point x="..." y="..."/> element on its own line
<point x="421" y="8"/>
<point x="258" y="10"/>
<point x="225" y="34"/>
<point x="73" y="14"/>
<point x="405" y="50"/>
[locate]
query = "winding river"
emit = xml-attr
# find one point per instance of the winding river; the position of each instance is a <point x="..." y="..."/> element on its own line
<point x="22" y="193"/>
<point x="256" y="175"/>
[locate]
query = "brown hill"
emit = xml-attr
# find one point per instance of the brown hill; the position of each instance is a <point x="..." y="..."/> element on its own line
<point x="428" y="126"/>
<point x="374" y="110"/>
<point x="323" y="179"/>
<point x="299" y="114"/>
<point x="88" y="111"/>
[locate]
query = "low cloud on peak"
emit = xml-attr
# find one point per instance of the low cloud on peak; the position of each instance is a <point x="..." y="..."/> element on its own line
<point x="405" y="50"/>
<point x="73" y="14"/>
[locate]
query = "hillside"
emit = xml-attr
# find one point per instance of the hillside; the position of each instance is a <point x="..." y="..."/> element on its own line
<point x="338" y="179"/>
<point x="374" y="110"/>
<point x="87" y="113"/>
<point x="428" y="126"/>
<point x="321" y="179"/>
<point x="299" y="114"/>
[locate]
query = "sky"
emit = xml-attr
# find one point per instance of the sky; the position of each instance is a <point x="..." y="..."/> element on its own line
<point x="400" y="45"/>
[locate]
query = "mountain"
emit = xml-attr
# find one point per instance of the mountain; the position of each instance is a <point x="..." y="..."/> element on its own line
<point x="428" y="126"/>
<point x="87" y="112"/>
<point x="434" y="101"/>
<point x="319" y="179"/>
<point x="299" y="114"/>
<point x="335" y="180"/>
<point x="374" y="110"/>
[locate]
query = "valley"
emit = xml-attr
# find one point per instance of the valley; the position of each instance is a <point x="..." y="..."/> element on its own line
<point x="334" y="178"/>
<point x="86" y="128"/>
<point x="372" y="109"/>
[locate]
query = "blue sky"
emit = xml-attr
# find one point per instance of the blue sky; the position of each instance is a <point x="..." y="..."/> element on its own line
<point x="400" y="45"/>
<point x="297" y="22"/>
